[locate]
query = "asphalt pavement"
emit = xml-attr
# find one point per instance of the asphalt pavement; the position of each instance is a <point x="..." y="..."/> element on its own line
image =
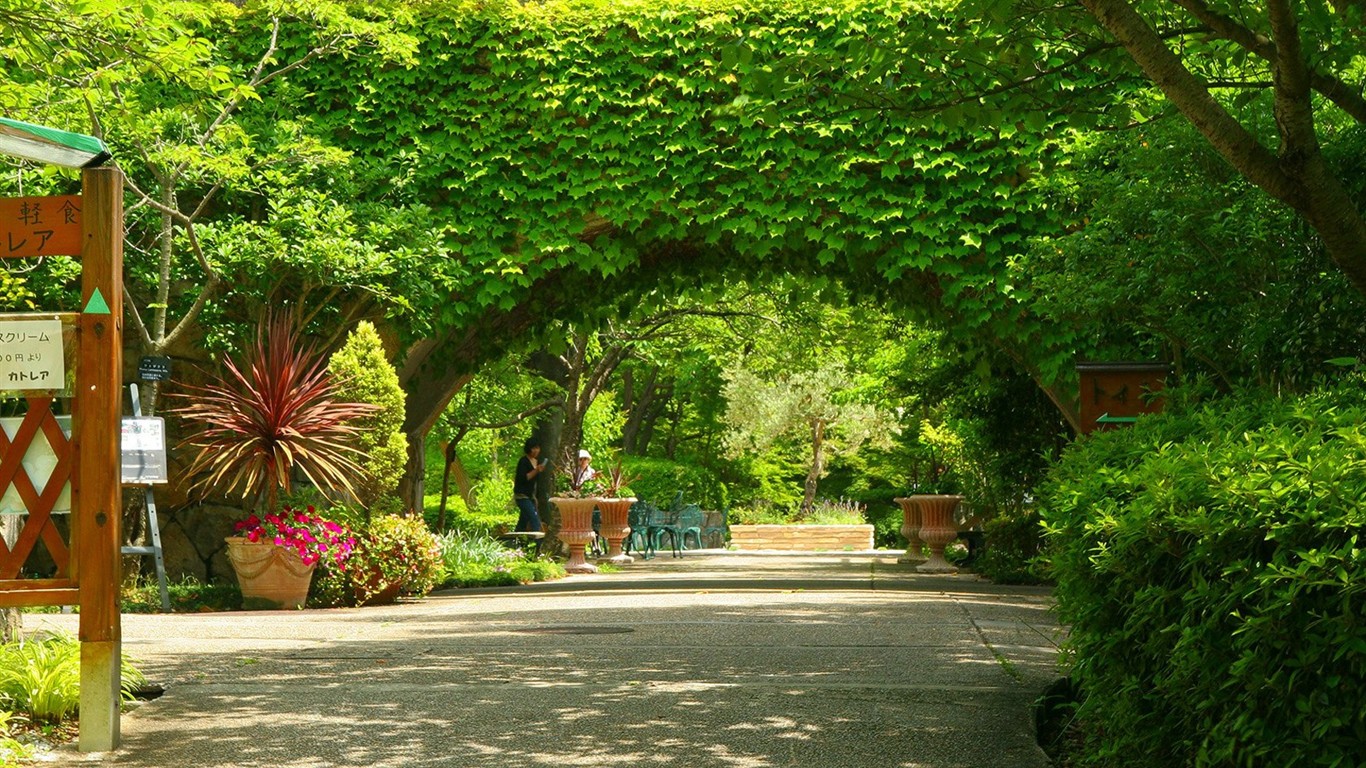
<point x="736" y="660"/>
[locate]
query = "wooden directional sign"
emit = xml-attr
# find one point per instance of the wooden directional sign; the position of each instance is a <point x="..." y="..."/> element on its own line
<point x="40" y="226"/>
<point x="1115" y="394"/>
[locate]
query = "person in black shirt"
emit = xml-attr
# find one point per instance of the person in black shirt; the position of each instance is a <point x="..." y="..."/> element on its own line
<point x="529" y="467"/>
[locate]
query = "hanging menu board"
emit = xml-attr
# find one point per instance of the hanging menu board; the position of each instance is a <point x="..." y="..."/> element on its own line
<point x="31" y="355"/>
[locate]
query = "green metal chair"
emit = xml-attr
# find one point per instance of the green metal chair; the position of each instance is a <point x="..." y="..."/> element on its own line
<point x="657" y="524"/>
<point x="715" y="528"/>
<point x="690" y="520"/>
<point x="639" y="540"/>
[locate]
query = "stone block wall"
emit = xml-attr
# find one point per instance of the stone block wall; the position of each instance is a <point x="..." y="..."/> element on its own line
<point x="802" y="538"/>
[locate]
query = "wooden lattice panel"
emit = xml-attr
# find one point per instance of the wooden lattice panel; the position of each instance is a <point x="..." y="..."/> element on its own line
<point x="39" y="524"/>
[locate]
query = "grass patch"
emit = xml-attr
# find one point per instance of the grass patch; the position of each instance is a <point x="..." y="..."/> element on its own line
<point x="187" y="596"/>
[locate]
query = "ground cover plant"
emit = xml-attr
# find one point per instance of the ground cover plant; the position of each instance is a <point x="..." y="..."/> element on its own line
<point x="188" y="595"/>
<point x="480" y="561"/>
<point x="11" y="750"/>
<point x="1211" y="568"/>
<point x="40" y="678"/>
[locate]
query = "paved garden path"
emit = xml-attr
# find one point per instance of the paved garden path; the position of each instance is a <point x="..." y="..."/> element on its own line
<point x="722" y="659"/>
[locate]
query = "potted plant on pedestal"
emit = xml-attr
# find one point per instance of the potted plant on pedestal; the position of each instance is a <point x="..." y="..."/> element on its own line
<point x="575" y="499"/>
<point x="615" y="505"/>
<point x="252" y="429"/>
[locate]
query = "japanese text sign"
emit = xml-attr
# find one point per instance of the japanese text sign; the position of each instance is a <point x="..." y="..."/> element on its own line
<point x="143" y="450"/>
<point x="31" y="355"/>
<point x="40" y="226"/>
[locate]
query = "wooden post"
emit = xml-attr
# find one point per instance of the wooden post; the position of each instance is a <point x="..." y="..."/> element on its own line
<point x="97" y="495"/>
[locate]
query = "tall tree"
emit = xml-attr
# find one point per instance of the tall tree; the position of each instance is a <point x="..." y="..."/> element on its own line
<point x="1210" y="58"/>
<point x="810" y="406"/>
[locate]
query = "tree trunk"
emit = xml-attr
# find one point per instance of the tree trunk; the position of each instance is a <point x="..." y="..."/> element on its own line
<point x="449" y="454"/>
<point x="11" y="621"/>
<point x="642" y="410"/>
<point x="813" y="477"/>
<point x="463" y="485"/>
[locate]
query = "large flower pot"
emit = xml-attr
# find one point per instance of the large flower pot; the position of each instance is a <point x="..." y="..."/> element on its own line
<point x="910" y="528"/>
<point x="271" y="577"/>
<point x="371" y="588"/>
<point x="937" y="528"/>
<point x="576" y="531"/>
<point x="615" y="528"/>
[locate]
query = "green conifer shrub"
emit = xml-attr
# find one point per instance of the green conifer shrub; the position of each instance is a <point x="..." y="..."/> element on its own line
<point x="364" y="375"/>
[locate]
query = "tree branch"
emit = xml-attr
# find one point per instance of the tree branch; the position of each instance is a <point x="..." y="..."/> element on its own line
<point x="554" y="402"/>
<point x="1349" y="100"/>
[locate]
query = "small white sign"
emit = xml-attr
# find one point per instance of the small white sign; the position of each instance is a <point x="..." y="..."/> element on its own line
<point x="31" y="355"/>
<point x="143" y="448"/>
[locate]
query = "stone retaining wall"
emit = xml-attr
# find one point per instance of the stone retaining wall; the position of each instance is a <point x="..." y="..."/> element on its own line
<point x="804" y="538"/>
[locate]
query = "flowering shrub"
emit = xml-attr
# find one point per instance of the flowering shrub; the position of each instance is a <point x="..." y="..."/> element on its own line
<point x="303" y="531"/>
<point x="400" y="550"/>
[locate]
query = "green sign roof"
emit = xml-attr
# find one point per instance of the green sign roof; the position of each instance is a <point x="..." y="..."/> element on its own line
<point x="49" y="145"/>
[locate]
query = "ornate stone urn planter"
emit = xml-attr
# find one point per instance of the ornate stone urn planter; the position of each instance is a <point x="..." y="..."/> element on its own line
<point x="576" y="530"/>
<point x="910" y="528"/>
<point x="615" y="528"/>
<point x="937" y="529"/>
<point x="270" y="576"/>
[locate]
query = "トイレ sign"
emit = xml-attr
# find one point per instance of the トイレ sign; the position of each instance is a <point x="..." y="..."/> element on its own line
<point x="31" y="355"/>
<point x="40" y="226"/>
<point x="1116" y="394"/>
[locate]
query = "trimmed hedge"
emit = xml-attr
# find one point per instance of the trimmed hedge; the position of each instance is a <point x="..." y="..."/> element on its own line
<point x="1212" y="568"/>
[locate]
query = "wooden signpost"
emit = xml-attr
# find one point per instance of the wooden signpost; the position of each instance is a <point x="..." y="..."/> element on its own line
<point x="87" y="571"/>
<point x="1116" y="394"/>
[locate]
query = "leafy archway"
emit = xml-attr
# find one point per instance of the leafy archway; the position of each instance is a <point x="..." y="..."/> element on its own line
<point x="574" y="148"/>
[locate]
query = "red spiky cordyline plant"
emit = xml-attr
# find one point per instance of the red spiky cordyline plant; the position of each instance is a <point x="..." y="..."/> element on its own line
<point x="251" y="430"/>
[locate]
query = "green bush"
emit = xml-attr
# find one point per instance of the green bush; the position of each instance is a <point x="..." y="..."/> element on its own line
<point x="11" y="750"/>
<point x="1211" y="568"/>
<point x="404" y="550"/>
<point x="1014" y="549"/>
<point x="187" y="596"/>
<point x="886" y="520"/>
<point x="659" y="480"/>
<point x="41" y="678"/>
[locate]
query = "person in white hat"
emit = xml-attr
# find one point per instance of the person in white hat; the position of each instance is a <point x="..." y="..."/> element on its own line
<point x="584" y="471"/>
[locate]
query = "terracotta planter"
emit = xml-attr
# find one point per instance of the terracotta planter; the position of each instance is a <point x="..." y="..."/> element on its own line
<point x="910" y="528"/>
<point x="615" y="529"/>
<point x="375" y="590"/>
<point x="576" y="530"/>
<point x="937" y="528"/>
<point x="271" y="577"/>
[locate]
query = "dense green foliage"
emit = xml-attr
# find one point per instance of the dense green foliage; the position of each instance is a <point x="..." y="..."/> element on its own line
<point x="1014" y="549"/>
<point x="660" y="480"/>
<point x="11" y="750"/>
<point x="1211" y="568"/>
<point x="362" y="374"/>
<point x="594" y="136"/>
<point x="40" y="678"/>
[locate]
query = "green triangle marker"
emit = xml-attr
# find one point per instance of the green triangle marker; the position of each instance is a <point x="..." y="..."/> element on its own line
<point x="96" y="305"/>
